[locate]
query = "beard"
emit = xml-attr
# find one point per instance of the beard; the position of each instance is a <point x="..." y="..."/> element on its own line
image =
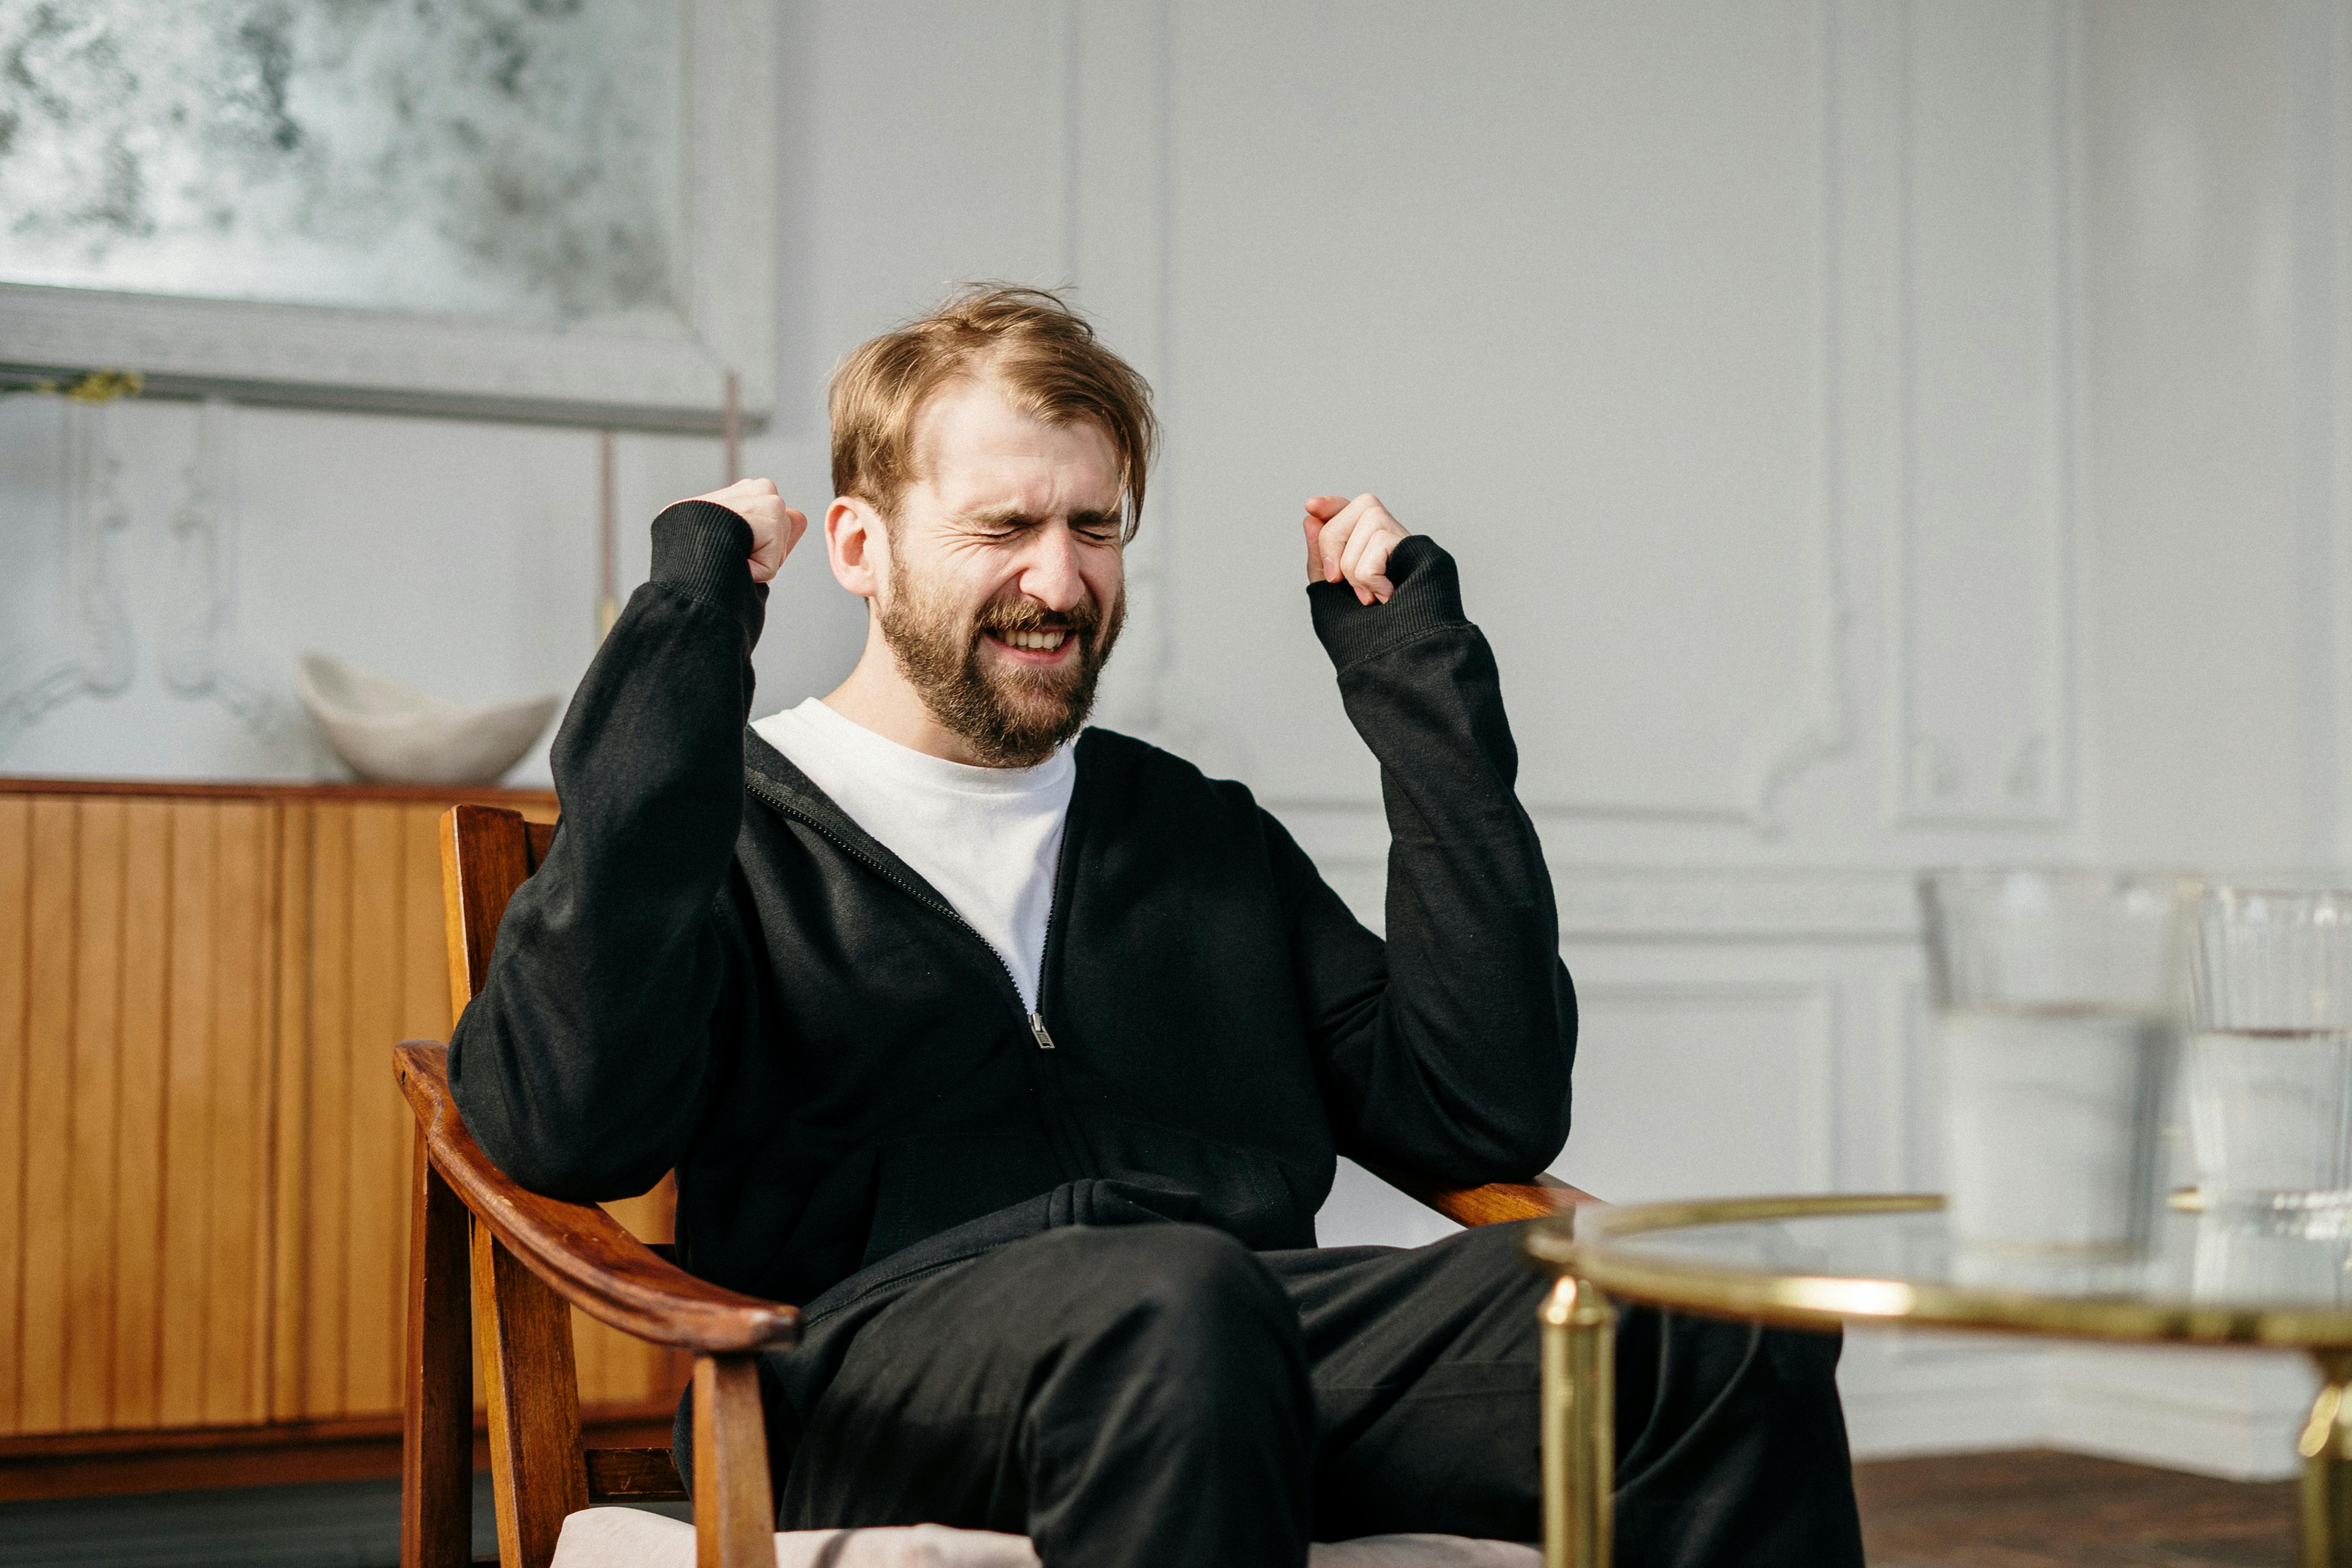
<point x="1012" y="715"/>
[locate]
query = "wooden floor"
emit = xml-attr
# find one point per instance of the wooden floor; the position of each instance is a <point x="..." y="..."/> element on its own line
<point x="1978" y="1511"/>
<point x="2048" y="1509"/>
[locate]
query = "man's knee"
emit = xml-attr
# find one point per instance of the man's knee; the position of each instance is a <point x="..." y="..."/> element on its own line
<point x="1194" y="1302"/>
<point x="1180" y="1395"/>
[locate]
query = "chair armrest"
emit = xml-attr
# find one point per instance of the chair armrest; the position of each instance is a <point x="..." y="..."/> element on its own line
<point x="1493" y="1204"/>
<point x="584" y="1254"/>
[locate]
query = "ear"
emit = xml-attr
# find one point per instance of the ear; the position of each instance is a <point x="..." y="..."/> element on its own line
<point x="857" y="545"/>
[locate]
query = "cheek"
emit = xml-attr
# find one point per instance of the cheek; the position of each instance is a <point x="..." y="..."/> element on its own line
<point x="1106" y="580"/>
<point x="977" y="574"/>
<point x="953" y="581"/>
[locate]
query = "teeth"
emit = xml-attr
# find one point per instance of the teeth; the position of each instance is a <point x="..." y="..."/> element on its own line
<point x="1043" y="642"/>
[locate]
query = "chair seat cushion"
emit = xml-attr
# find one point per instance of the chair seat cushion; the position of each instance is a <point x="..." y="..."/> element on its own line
<point x="633" y="1538"/>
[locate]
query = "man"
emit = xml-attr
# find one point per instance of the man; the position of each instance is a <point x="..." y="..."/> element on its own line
<point x="1019" y="1056"/>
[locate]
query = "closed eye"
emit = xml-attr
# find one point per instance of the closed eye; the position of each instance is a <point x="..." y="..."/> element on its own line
<point x="1094" y="527"/>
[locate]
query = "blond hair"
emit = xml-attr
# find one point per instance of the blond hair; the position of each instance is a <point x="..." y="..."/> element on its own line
<point x="1040" y="353"/>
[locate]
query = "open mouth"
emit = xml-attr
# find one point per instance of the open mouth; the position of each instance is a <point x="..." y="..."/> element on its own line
<point x="1048" y="640"/>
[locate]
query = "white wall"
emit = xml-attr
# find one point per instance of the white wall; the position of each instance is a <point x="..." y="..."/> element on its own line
<point x="1873" y="434"/>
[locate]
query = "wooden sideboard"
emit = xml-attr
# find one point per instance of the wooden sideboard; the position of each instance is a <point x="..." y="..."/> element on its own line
<point x="203" y="1159"/>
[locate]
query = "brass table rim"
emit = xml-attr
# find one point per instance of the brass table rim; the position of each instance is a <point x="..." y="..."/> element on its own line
<point x="1578" y="1244"/>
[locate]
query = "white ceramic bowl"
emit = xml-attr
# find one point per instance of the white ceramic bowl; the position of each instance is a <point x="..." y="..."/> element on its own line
<point x="393" y="733"/>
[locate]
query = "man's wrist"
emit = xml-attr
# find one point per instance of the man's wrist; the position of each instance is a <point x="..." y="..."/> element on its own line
<point x="702" y="549"/>
<point x="1428" y="597"/>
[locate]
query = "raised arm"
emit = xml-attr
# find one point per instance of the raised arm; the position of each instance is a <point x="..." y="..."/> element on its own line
<point x="1446" y="1049"/>
<point x="582" y="1065"/>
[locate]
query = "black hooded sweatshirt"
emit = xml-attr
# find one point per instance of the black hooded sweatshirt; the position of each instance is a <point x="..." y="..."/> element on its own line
<point x="716" y="970"/>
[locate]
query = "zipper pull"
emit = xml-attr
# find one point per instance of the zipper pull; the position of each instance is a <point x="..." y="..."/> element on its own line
<point x="1037" y="1028"/>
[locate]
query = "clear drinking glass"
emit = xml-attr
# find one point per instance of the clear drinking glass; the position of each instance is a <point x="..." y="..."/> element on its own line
<point x="2236" y="1263"/>
<point x="2058" y="997"/>
<point x="2270" y="1057"/>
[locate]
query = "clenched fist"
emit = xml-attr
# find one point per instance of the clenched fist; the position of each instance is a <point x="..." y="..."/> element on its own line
<point x="1348" y="541"/>
<point x="775" y="527"/>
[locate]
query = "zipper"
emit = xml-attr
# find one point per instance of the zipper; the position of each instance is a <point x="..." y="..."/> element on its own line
<point x="1045" y="948"/>
<point x="1063" y="1126"/>
<point x="1035" y="1016"/>
<point x="1073" y="1124"/>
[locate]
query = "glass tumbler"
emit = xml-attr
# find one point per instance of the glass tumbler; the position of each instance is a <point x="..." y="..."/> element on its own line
<point x="2269" y="1080"/>
<point x="2058" y="998"/>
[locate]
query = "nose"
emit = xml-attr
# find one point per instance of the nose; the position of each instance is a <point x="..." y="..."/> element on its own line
<point x="1049" y="574"/>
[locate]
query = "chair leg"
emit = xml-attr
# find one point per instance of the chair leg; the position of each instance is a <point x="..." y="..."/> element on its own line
<point x="734" y="1511"/>
<point x="437" y="1450"/>
<point x="537" y="1473"/>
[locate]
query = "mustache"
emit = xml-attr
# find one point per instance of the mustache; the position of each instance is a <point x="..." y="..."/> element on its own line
<point x="1084" y="618"/>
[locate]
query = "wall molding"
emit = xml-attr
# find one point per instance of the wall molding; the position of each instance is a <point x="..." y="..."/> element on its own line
<point x="1813" y="726"/>
<point x="93" y="654"/>
<point x="1913" y="1391"/>
<point x="1705" y="904"/>
<point x="1812" y="723"/>
<point x="2023" y="776"/>
<point x="2230" y="1413"/>
<point x="199" y="655"/>
<point x="1821" y="727"/>
<point x="1635" y="903"/>
<point x="1915" y="1089"/>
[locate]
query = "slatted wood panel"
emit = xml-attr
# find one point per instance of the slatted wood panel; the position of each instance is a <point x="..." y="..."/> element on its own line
<point x="47" y="1069"/>
<point x="133" y="1095"/>
<point x="291" y="1198"/>
<point x="203" y="1159"/>
<point x="15" y="940"/>
<point x="131" y="1349"/>
<point x="93" y="1046"/>
<point x="215" y="1322"/>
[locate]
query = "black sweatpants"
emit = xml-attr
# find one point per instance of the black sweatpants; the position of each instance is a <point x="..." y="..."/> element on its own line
<point x="1159" y="1394"/>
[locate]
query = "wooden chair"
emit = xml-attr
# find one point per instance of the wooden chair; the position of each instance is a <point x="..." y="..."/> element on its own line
<point x="478" y="1241"/>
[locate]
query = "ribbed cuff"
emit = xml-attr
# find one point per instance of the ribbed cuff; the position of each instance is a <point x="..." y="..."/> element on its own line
<point x="1428" y="595"/>
<point x="703" y="549"/>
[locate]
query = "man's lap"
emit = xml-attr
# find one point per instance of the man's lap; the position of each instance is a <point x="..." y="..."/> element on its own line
<point x="1419" y="1368"/>
<point x="995" y="1388"/>
<point x="1422" y="1364"/>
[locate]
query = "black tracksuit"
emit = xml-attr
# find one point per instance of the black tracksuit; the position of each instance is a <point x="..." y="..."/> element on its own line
<point x="715" y="970"/>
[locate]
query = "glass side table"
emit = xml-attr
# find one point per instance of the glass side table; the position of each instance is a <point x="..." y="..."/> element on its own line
<point x="1819" y="1262"/>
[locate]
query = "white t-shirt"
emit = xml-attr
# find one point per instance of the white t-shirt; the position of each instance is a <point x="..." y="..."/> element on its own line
<point x="987" y="838"/>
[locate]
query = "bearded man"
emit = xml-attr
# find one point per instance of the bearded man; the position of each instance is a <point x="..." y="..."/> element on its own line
<point x="1019" y="1053"/>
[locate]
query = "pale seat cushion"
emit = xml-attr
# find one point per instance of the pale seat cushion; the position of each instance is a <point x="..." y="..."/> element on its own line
<point x="632" y="1538"/>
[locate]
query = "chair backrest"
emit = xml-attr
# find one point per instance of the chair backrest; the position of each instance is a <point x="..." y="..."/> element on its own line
<point x="485" y="853"/>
